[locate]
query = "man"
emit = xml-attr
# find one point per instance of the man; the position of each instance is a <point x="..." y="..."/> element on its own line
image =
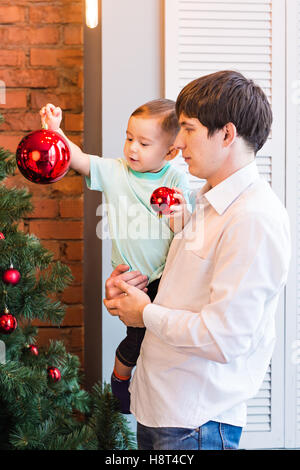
<point x="210" y="331"/>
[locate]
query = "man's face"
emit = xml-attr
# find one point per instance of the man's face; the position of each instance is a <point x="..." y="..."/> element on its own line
<point x="204" y="155"/>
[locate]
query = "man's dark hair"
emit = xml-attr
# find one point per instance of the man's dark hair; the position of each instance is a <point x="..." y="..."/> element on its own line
<point x="164" y="109"/>
<point x="228" y="96"/>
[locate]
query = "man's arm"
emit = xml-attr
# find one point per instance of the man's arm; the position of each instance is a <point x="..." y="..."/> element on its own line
<point x="250" y="269"/>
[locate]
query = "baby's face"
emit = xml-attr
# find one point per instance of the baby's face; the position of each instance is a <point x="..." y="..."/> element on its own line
<point x="146" y="144"/>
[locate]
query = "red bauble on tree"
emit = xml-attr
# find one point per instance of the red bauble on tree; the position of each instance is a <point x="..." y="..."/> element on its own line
<point x="162" y="199"/>
<point x="8" y="323"/>
<point x="43" y="157"/>
<point x="33" y="349"/>
<point x="11" y="276"/>
<point x="54" y="374"/>
<point x="2" y="237"/>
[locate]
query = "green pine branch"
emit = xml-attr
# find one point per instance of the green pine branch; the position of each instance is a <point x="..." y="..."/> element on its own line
<point x="110" y="427"/>
<point x="7" y="163"/>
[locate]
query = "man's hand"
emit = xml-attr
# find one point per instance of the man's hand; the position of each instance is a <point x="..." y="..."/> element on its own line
<point x="129" y="307"/>
<point x="180" y="214"/>
<point x="133" y="278"/>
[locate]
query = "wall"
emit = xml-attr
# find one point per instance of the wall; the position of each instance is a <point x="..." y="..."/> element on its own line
<point x="41" y="61"/>
<point x="132" y="55"/>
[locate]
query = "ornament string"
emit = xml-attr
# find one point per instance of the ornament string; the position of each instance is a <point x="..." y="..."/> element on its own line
<point x="44" y="124"/>
<point x="5" y="300"/>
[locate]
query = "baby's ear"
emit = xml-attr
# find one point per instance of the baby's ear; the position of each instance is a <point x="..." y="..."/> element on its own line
<point x="172" y="153"/>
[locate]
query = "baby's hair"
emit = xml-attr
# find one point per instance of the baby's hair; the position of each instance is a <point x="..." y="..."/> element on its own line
<point x="163" y="108"/>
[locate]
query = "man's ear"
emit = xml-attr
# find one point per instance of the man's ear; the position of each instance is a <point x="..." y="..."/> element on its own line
<point x="172" y="153"/>
<point x="230" y="134"/>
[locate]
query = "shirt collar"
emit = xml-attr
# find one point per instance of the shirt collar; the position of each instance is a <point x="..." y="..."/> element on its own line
<point x="150" y="175"/>
<point x="224" y="193"/>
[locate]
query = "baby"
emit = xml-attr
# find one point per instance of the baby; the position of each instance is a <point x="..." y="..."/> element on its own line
<point x="127" y="184"/>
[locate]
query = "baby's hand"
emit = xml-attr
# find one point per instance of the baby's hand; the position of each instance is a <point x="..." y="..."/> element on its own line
<point x="51" y="117"/>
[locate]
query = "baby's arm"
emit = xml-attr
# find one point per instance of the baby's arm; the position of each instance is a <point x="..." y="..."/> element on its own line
<point x="180" y="214"/>
<point x="52" y="116"/>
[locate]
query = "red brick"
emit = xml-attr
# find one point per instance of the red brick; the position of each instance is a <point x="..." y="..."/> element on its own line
<point x="21" y="121"/>
<point x="70" y="100"/>
<point x="77" y="271"/>
<point x="45" y="35"/>
<point x="73" y="122"/>
<point x="77" y="139"/>
<point x="20" y="36"/>
<point x="80" y="79"/>
<point x="72" y="208"/>
<point x="68" y="186"/>
<point x="10" y="142"/>
<point x="73" y="338"/>
<point x="56" y="57"/>
<point x="56" y="14"/>
<point x="74" y="316"/>
<point x="44" y="208"/>
<point x="73" y="34"/>
<point x="12" y="14"/>
<point x="74" y="250"/>
<point x="72" y="295"/>
<point x="11" y="57"/>
<point x="31" y="78"/>
<point x="19" y="181"/>
<point x="56" y="229"/>
<point x="15" y="99"/>
<point x="69" y="77"/>
<point x="53" y="247"/>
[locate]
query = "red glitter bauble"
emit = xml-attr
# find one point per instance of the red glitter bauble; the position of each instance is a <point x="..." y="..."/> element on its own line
<point x="8" y="323"/>
<point x="11" y="276"/>
<point x="2" y="237"/>
<point x="43" y="157"/>
<point x="162" y="199"/>
<point x="54" y="374"/>
<point x="33" y="350"/>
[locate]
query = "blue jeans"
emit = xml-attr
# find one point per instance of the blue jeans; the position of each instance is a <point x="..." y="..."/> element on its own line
<point x="210" y="436"/>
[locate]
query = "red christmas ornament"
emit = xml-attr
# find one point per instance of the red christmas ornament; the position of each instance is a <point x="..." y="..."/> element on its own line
<point x="11" y="276"/>
<point x="162" y="199"/>
<point x="43" y="157"/>
<point x="2" y="237"/>
<point x="54" y="374"/>
<point x="33" y="350"/>
<point x="8" y="323"/>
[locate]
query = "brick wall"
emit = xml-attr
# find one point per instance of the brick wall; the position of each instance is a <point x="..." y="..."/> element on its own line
<point x="41" y="61"/>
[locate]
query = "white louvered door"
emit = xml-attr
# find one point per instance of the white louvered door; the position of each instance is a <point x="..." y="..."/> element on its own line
<point x="202" y="37"/>
<point x="292" y="365"/>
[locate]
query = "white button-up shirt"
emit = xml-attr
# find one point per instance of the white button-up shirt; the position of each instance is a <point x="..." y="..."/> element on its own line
<point x="211" y="331"/>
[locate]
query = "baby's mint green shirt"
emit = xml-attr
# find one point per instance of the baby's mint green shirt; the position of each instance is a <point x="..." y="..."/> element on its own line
<point x="139" y="237"/>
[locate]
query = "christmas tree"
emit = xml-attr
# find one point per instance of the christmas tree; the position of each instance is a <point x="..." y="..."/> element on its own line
<point x="42" y="403"/>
